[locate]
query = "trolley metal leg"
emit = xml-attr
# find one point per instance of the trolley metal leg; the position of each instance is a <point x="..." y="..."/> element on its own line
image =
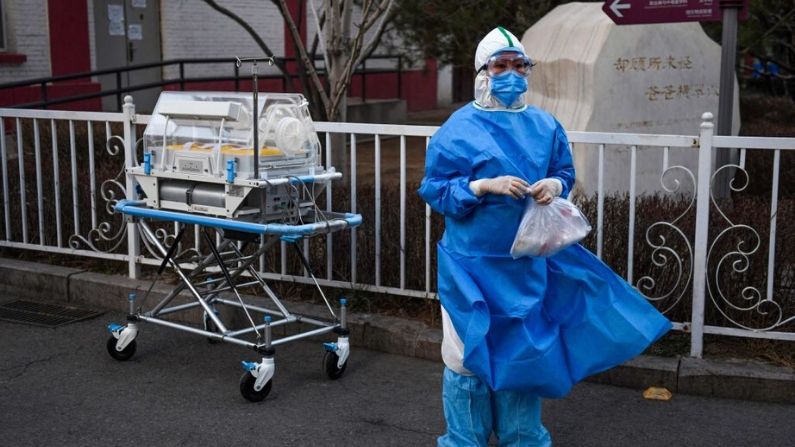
<point x="221" y="272"/>
<point x="148" y="232"/>
<point x="182" y="286"/>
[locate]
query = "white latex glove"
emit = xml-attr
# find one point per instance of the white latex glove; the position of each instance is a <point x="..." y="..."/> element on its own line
<point x="545" y="190"/>
<point x="507" y="185"/>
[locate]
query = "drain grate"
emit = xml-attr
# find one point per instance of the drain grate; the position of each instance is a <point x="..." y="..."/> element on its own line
<point x="40" y="314"/>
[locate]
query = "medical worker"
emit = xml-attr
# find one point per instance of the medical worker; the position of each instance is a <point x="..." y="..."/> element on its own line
<point x="516" y="330"/>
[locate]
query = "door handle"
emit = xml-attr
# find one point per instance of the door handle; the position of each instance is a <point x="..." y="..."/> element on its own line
<point x="130" y="51"/>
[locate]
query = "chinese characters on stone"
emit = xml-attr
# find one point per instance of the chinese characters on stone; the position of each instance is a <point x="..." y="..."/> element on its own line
<point x="668" y="92"/>
<point x="624" y="65"/>
<point x="659" y="63"/>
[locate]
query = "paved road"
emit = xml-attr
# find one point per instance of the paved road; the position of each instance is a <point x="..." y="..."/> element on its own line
<point x="60" y="387"/>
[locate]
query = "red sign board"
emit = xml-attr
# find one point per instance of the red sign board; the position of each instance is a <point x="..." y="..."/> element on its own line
<point x="634" y="12"/>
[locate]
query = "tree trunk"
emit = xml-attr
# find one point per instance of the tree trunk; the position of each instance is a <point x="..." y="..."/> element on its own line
<point x="338" y="49"/>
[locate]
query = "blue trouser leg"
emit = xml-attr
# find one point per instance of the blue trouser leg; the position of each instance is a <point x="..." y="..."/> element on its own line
<point x="473" y="411"/>
<point x="467" y="410"/>
<point x="517" y="420"/>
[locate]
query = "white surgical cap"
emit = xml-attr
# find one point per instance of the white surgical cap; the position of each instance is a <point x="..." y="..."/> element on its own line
<point x="498" y="40"/>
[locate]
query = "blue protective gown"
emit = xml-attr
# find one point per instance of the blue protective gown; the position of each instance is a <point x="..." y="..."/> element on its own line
<point x="532" y="324"/>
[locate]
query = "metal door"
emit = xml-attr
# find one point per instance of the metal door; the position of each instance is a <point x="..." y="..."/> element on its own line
<point x="127" y="33"/>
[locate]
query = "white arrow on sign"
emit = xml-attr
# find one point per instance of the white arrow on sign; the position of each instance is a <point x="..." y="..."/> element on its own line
<point x="617" y="6"/>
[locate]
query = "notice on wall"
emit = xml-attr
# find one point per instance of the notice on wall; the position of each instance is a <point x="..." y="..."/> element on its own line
<point x="135" y="32"/>
<point x="139" y="3"/>
<point x="116" y="28"/>
<point x="116" y="20"/>
<point x="116" y="13"/>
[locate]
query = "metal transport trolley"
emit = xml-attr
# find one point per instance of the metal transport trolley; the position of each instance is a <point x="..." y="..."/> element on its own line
<point x="199" y="168"/>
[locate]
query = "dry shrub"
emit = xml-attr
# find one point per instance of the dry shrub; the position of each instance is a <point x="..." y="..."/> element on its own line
<point x="106" y="166"/>
<point x="767" y="116"/>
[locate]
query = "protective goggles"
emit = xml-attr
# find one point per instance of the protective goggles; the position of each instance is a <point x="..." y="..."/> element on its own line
<point x="504" y="62"/>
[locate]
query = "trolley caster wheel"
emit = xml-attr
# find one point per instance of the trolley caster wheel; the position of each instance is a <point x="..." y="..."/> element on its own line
<point x="210" y="326"/>
<point x="247" y="388"/>
<point x="124" y="354"/>
<point x="330" y="367"/>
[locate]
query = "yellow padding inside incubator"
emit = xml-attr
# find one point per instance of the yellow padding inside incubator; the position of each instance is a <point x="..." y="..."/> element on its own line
<point x="265" y="151"/>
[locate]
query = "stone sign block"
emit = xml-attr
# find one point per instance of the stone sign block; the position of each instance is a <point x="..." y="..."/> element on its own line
<point x="594" y="75"/>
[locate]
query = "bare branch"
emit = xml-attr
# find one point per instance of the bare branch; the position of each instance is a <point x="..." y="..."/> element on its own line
<point x="299" y="45"/>
<point x="347" y="11"/>
<point x="349" y="68"/>
<point x="261" y="43"/>
<point x="333" y="37"/>
<point x="780" y="21"/>
<point x="316" y="41"/>
<point x="386" y="15"/>
<point x="371" y="15"/>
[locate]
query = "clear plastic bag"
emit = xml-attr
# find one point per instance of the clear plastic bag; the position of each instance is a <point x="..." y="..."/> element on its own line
<point x="547" y="229"/>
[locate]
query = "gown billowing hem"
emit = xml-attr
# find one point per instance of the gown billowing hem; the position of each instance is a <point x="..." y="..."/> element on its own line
<point x="585" y="319"/>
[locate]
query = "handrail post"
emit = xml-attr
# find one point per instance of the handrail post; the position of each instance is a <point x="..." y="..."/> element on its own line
<point x="364" y="80"/>
<point x="702" y="235"/>
<point x="237" y="77"/>
<point x="399" y="77"/>
<point x="133" y="243"/>
<point x="44" y="95"/>
<point x="181" y="76"/>
<point x="118" y="91"/>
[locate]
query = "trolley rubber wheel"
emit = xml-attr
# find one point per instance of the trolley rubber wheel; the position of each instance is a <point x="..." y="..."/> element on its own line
<point x="124" y="354"/>
<point x="247" y="388"/>
<point x="210" y="326"/>
<point x="330" y="367"/>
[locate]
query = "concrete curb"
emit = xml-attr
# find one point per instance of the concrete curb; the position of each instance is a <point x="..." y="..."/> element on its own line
<point x="733" y="379"/>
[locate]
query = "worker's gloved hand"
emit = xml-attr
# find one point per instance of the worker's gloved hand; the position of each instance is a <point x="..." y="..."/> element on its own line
<point x="545" y="190"/>
<point x="506" y="185"/>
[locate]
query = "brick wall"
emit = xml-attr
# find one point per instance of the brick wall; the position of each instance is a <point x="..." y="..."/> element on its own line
<point x="194" y="30"/>
<point x="26" y="33"/>
<point x="91" y="35"/>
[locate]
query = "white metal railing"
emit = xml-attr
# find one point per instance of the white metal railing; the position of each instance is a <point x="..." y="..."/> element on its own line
<point x="378" y="132"/>
<point x="752" y="299"/>
<point x="11" y="129"/>
<point x="82" y="228"/>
